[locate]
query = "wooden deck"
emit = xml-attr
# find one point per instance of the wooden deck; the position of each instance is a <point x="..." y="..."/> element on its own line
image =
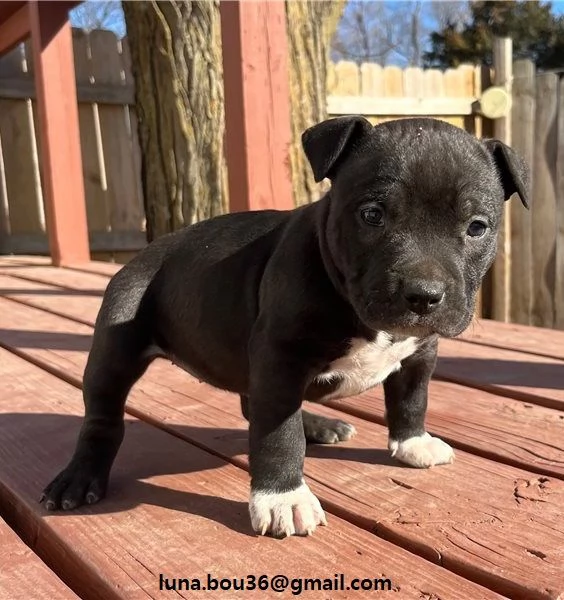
<point x="488" y="526"/>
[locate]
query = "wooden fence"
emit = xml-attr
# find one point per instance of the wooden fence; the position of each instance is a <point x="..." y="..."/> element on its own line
<point x="537" y="237"/>
<point x="111" y="162"/>
<point x="384" y="93"/>
<point x="110" y="150"/>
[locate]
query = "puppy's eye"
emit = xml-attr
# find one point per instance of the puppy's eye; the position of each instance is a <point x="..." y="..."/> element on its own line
<point x="373" y="215"/>
<point x="476" y="229"/>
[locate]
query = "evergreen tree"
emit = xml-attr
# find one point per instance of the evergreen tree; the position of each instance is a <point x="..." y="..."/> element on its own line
<point x="536" y="31"/>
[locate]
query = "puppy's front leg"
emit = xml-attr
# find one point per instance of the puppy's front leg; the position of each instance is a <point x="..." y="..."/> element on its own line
<point x="281" y="503"/>
<point x="406" y="403"/>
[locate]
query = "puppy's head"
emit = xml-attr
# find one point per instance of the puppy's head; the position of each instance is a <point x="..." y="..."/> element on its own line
<point x="416" y="205"/>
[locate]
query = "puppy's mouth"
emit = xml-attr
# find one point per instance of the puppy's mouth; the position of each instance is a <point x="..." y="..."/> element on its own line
<point x="445" y="322"/>
<point x="420" y="331"/>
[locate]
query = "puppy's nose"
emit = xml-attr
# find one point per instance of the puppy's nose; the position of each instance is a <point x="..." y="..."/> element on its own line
<point x="423" y="296"/>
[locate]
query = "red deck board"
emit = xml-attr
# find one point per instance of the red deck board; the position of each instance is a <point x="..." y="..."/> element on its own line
<point x="523" y="338"/>
<point x="430" y="503"/>
<point x="512" y="431"/>
<point x="104" y="268"/>
<point x="533" y="378"/>
<point x="503" y="429"/>
<point x="97" y="267"/>
<point x="22" y="573"/>
<point x="64" y="278"/>
<point x="174" y="509"/>
<point x="82" y="306"/>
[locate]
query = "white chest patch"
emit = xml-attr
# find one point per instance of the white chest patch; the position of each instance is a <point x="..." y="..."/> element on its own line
<point x="367" y="364"/>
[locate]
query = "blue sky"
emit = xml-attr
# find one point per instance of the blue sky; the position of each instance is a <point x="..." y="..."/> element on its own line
<point x="111" y="14"/>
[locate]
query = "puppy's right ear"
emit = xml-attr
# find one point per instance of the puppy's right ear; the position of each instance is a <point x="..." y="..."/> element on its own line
<point x="513" y="171"/>
<point x="329" y="141"/>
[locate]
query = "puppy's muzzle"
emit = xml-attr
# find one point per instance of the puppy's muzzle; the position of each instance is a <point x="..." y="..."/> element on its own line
<point x="423" y="296"/>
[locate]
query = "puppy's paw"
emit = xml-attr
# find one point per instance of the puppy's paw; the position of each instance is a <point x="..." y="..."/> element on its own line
<point x="289" y="513"/>
<point x="322" y="430"/>
<point x="74" y="487"/>
<point x="422" y="451"/>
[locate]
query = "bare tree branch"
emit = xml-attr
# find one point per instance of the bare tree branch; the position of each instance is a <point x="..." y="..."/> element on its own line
<point x="450" y="13"/>
<point x="392" y="31"/>
<point x="99" y="15"/>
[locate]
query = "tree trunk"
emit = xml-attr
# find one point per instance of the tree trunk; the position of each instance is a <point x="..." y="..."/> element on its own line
<point x="311" y="25"/>
<point x="175" y="50"/>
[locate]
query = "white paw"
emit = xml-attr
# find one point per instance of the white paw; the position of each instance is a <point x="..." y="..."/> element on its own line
<point x="422" y="451"/>
<point x="290" y="513"/>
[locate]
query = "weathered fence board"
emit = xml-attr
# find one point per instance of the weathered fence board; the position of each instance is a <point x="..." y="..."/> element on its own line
<point x="18" y="89"/>
<point x="384" y="93"/>
<point x="523" y="131"/>
<point x="123" y="194"/>
<point x="398" y="107"/>
<point x="559" y="185"/>
<point x="21" y="173"/>
<point x="109" y="145"/>
<point x="544" y="200"/>
<point x="97" y="208"/>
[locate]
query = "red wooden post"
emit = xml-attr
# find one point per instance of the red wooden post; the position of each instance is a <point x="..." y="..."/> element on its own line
<point x="63" y="185"/>
<point x="14" y="24"/>
<point x="257" y="104"/>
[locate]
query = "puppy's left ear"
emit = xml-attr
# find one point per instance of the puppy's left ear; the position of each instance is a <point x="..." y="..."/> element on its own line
<point x="327" y="143"/>
<point x="512" y="169"/>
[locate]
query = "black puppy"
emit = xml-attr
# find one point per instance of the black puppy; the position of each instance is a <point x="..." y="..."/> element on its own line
<point x="320" y="302"/>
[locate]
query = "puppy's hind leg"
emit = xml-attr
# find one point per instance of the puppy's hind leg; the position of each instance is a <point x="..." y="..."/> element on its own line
<point x="317" y="428"/>
<point x="323" y="430"/>
<point x="117" y="359"/>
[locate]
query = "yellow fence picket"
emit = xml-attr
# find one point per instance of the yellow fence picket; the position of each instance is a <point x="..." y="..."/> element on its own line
<point x="393" y="82"/>
<point x="347" y="79"/>
<point x="372" y="78"/>
<point x="413" y="82"/>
